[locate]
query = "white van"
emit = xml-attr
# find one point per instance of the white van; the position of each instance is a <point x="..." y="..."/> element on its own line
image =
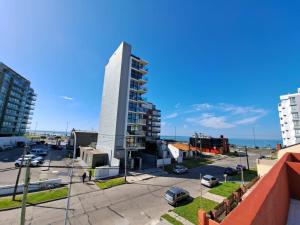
<point x="39" y="151"/>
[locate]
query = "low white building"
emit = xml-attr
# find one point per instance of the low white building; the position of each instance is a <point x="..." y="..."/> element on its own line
<point x="289" y="111"/>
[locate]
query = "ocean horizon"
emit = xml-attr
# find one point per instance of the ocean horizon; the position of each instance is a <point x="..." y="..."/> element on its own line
<point x="235" y="141"/>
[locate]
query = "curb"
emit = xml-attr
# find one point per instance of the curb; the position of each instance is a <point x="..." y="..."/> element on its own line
<point x="33" y="204"/>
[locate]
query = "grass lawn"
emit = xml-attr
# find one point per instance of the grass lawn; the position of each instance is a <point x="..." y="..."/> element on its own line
<point x="248" y="175"/>
<point x="225" y="189"/>
<point x="171" y="219"/>
<point x="192" y="163"/>
<point x="110" y="183"/>
<point x="190" y="211"/>
<point x="34" y="198"/>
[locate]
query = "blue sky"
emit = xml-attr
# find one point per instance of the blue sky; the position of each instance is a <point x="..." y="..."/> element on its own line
<point x="216" y="67"/>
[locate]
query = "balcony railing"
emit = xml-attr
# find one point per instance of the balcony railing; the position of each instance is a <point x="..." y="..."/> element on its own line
<point x="137" y="132"/>
<point x="139" y="121"/>
<point x="135" y="145"/>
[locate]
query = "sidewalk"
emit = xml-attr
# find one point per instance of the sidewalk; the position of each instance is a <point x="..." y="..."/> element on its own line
<point x="146" y="174"/>
<point x="213" y="197"/>
<point x="179" y="218"/>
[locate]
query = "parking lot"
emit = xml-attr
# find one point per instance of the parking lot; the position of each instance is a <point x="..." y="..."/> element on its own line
<point x="54" y="158"/>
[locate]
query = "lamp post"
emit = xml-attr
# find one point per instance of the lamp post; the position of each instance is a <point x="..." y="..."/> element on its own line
<point x="70" y="178"/>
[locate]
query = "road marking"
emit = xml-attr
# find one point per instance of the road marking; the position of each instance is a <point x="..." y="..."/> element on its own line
<point x="55" y="171"/>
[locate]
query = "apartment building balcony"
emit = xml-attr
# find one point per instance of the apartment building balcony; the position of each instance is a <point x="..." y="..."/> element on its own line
<point x="142" y="80"/>
<point x="156" y="113"/>
<point x="136" y="133"/>
<point x="142" y="90"/>
<point x="135" y="145"/>
<point x="138" y="99"/>
<point x="141" y="70"/>
<point x="293" y="102"/>
<point x="156" y="124"/>
<point x="139" y="121"/>
<point x="155" y="130"/>
<point x="156" y="119"/>
<point x="139" y="110"/>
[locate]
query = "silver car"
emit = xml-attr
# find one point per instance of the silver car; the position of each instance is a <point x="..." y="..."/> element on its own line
<point x="209" y="181"/>
<point x="175" y="195"/>
<point x="179" y="169"/>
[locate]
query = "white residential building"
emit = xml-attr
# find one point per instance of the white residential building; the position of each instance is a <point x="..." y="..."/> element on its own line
<point x="123" y="115"/>
<point x="289" y="114"/>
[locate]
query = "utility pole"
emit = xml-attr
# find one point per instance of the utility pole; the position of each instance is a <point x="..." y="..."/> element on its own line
<point x="254" y="141"/>
<point x="24" y="199"/>
<point x="247" y="157"/>
<point x="125" y="165"/>
<point x="70" y="178"/>
<point x="67" y="128"/>
<point x="19" y="173"/>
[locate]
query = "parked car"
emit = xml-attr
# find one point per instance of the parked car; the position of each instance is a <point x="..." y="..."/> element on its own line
<point x="179" y="169"/>
<point x="7" y="147"/>
<point x="57" y="147"/>
<point x="32" y="156"/>
<point x="175" y="195"/>
<point x="32" y="162"/>
<point x="262" y="157"/>
<point x="230" y="171"/>
<point x="240" y="167"/>
<point x="39" y="151"/>
<point x="209" y="181"/>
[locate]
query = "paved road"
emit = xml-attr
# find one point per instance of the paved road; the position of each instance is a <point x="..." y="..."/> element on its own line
<point x="7" y="161"/>
<point x="135" y="204"/>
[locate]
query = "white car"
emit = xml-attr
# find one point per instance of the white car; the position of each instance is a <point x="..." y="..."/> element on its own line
<point x="34" y="157"/>
<point x="33" y="162"/>
<point x="209" y="181"/>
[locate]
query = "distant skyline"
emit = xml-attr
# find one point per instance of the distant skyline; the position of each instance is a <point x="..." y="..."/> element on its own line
<point x="214" y="67"/>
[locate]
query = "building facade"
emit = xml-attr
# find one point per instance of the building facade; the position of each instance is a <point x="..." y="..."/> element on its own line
<point x="153" y="122"/>
<point x="289" y="114"/>
<point x="123" y="119"/>
<point x="16" y="102"/>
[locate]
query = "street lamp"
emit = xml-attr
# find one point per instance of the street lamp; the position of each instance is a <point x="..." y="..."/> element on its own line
<point x="70" y="178"/>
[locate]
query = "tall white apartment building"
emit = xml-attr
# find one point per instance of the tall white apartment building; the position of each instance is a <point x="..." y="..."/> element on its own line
<point x="289" y="114"/>
<point x="122" y="118"/>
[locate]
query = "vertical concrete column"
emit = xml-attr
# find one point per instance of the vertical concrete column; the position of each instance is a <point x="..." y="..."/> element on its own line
<point x="131" y="163"/>
<point x="140" y="166"/>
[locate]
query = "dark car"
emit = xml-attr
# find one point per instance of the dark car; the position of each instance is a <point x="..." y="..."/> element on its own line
<point x="230" y="171"/>
<point x="240" y="167"/>
<point x="56" y="147"/>
<point x="262" y="157"/>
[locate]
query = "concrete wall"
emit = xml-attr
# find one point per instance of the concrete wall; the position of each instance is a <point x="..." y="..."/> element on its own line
<point x="33" y="186"/>
<point x="291" y="149"/>
<point x="264" y="166"/>
<point x="12" y="140"/>
<point x="175" y="153"/>
<point x="163" y="162"/>
<point x="106" y="172"/>
<point x="113" y="118"/>
<point x="268" y="203"/>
